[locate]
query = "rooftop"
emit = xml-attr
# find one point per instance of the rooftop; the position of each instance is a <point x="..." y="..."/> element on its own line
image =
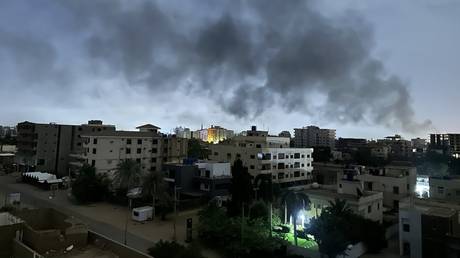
<point x="123" y="134"/>
<point x="431" y="207"/>
<point x="333" y="194"/>
<point x="7" y="219"/>
<point x="148" y="126"/>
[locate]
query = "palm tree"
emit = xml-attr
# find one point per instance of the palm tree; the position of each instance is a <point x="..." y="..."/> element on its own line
<point x="152" y="184"/>
<point x="127" y="175"/>
<point x="295" y="202"/>
<point x="338" y="207"/>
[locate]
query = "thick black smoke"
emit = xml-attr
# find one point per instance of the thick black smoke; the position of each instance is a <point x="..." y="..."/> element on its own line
<point x="248" y="55"/>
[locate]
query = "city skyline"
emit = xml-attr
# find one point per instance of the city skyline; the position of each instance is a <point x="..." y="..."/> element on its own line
<point x="83" y="68"/>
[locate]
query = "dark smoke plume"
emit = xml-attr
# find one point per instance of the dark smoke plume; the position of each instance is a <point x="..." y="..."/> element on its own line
<point x="247" y="55"/>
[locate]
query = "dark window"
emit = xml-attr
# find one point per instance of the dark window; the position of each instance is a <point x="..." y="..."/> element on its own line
<point x="303" y="155"/>
<point x="155" y="141"/>
<point x="41" y="162"/>
<point x="258" y="146"/>
<point x="93" y="163"/>
<point x="406" y="227"/>
<point x="128" y="150"/>
<point x="251" y="167"/>
<point x="396" y="204"/>
<point x="296" y="155"/>
<point x="253" y="156"/>
<point x="154" y="150"/>
<point x="296" y="173"/>
<point x="139" y="141"/>
<point x="280" y="165"/>
<point x="94" y="150"/>
<point x="95" y="141"/>
<point x="280" y="175"/>
<point x="369" y="186"/>
<point x="128" y="141"/>
<point x="369" y="209"/>
<point x="395" y="190"/>
<point x="280" y="155"/>
<point x="138" y="160"/>
<point x="208" y="173"/>
<point x="216" y="153"/>
<point x="139" y="150"/>
<point x="296" y="164"/>
<point x="407" y="187"/>
<point x="406" y="249"/>
<point x="154" y="160"/>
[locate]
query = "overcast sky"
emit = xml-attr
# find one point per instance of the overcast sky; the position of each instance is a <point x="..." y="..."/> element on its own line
<point x="366" y="68"/>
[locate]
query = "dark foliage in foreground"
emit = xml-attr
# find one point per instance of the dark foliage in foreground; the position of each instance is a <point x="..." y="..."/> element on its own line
<point x="89" y="187"/>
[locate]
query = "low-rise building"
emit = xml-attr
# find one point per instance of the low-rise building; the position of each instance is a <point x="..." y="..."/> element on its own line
<point x="429" y="228"/>
<point x="263" y="154"/>
<point x="367" y="204"/>
<point x="396" y="182"/>
<point x="445" y="188"/>
<point x="147" y="146"/>
<point x="325" y="173"/>
<point x="202" y="179"/>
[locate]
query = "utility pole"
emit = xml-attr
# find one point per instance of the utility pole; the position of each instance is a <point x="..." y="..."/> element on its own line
<point x="242" y="221"/>
<point x="126" y="222"/>
<point x="175" y="211"/>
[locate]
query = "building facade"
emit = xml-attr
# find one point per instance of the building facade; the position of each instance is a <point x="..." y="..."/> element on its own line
<point x="450" y="143"/>
<point x="313" y="136"/>
<point x="47" y="147"/>
<point x="445" y="188"/>
<point x="429" y="228"/>
<point x="263" y="154"/>
<point x="148" y="147"/>
<point x="213" y="134"/>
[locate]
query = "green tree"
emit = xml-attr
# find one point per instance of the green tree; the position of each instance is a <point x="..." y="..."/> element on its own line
<point x="241" y="189"/>
<point x="295" y="202"/>
<point x="89" y="187"/>
<point x="153" y="184"/>
<point x="127" y="175"/>
<point x="197" y="149"/>
<point x="259" y="210"/>
<point x="165" y="249"/>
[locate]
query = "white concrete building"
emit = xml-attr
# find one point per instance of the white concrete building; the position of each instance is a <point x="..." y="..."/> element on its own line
<point x="428" y="228"/>
<point x="368" y="204"/>
<point x="148" y="147"/>
<point x="394" y="181"/>
<point x="268" y="155"/>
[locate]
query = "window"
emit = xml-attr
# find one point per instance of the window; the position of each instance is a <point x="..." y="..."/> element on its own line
<point x="303" y="165"/>
<point x="252" y="167"/>
<point x="253" y="156"/>
<point x="128" y="150"/>
<point x="292" y="156"/>
<point x="280" y="165"/>
<point x="128" y="141"/>
<point x="296" y="164"/>
<point x="95" y="141"/>
<point x="154" y="150"/>
<point x="41" y="162"/>
<point x="369" y="186"/>
<point x="340" y="185"/>
<point x="280" y="155"/>
<point x="138" y="160"/>
<point x="93" y="163"/>
<point x="155" y="141"/>
<point x="280" y="175"/>
<point x="296" y="173"/>
<point x="258" y="146"/>
<point x="139" y="150"/>
<point x="408" y="187"/>
<point x="406" y="227"/>
<point x="440" y="190"/>
<point x="94" y="150"/>
<point x="139" y="141"/>
<point x="369" y="209"/>
<point x="395" y="204"/>
<point x="296" y="155"/>
<point x="154" y="160"/>
<point x="395" y="189"/>
<point x="216" y="153"/>
<point x="303" y="174"/>
<point x="378" y="206"/>
<point x="303" y="155"/>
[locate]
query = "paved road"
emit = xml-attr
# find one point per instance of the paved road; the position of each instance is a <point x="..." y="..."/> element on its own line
<point x="31" y="196"/>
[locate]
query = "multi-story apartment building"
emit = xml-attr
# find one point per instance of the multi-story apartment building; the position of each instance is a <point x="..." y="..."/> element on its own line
<point x="450" y="143"/>
<point x="313" y="136"/>
<point x="429" y="228"/>
<point x="213" y="134"/>
<point x="47" y="147"/>
<point x="445" y="188"/>
<point x="183" y="132"/>
<point x="399" y="147"/>
<point x="8" y="131"/>
<point x="264" y="154"/>
<point x="350" y="144"/>
<point x="150" y="148"/>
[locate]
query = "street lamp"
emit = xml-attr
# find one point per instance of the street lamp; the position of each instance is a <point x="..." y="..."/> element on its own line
<point x="133" y="193"/>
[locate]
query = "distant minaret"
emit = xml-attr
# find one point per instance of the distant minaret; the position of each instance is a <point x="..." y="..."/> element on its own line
<point x="201" y="126"/>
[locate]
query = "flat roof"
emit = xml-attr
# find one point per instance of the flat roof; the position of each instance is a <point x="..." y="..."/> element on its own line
<point x="7" y="154"/>
<point x="7" y="219"/>
<point x="123" y="134"/>
<point x="330" y="193"/>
